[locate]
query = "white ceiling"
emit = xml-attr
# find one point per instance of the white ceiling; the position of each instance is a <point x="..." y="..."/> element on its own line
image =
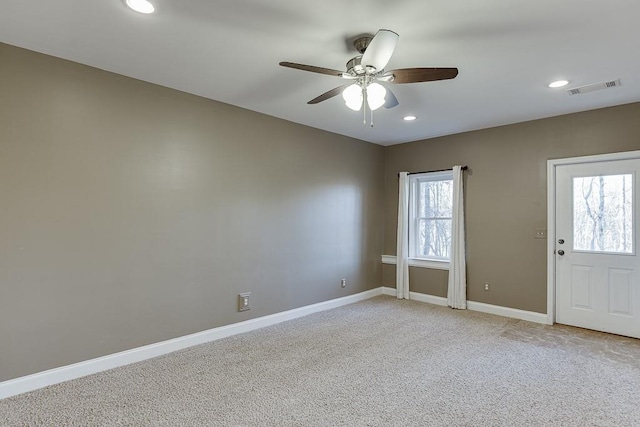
<point x="507" y="51"/>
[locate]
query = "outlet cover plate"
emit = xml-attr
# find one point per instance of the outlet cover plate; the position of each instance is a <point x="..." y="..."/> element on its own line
<point x="540" y="233"/>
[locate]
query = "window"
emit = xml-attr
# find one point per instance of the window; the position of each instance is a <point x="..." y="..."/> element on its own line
<point x="603" y="214"/>
<point x="430" y="213"/>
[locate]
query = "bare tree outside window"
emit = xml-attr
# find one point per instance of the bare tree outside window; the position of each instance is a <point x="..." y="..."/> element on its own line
<point x="434" y="219"/>
<point x="603" y="213"/>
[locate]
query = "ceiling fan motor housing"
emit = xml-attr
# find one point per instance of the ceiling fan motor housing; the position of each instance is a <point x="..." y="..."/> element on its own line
<point x="355" y="67"/>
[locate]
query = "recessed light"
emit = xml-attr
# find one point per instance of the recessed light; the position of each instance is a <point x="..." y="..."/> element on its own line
<point x="142" y="6"/>
<point x="409" y="118"/>
<point x="558" y="83"/>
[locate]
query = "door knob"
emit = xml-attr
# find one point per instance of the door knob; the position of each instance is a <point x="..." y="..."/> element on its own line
<point x="561" y="241"/>
<point x="560" y="252"/>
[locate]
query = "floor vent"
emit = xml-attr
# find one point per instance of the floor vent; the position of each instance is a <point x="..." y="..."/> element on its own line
<point x="593" y="87"/>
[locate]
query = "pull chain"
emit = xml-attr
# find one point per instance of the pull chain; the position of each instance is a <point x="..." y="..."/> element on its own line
<point x="364" y="107"/>
<point x="365" y="104"/>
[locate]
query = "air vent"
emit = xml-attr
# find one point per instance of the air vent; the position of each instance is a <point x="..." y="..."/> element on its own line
<point x="594" y="87"/>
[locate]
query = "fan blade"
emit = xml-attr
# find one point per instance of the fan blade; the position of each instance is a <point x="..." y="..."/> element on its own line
<point x="380" y="49"/>
<point x="313" y="69"/>
<point x="416" y="75"/>
<point x="390" y="99"/>
<point x="329" y="94"/>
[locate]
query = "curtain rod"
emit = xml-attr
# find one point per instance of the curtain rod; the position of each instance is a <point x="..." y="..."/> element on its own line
<point x="464" y="168"/>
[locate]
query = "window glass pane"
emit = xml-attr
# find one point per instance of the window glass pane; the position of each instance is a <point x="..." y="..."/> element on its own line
<point x="422" y="202"/>
<point x="603" y="213"/>
<point x="434" y="238"/>
<point x="435" y="199"/>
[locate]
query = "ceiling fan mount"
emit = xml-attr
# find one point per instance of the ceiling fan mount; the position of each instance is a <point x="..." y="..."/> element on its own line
<point x="361" y="43"/>
<point x="366" y="71"/>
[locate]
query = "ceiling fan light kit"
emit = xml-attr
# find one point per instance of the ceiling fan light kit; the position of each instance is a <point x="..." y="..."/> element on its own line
<point x="368" y="71"/>
<point x="355" y="94"/>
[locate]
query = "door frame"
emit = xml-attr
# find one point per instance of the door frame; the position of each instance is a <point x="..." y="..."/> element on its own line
<point x="551" y="216"/>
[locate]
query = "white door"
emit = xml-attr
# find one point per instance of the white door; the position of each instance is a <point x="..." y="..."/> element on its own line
<point x="596" y="246"/>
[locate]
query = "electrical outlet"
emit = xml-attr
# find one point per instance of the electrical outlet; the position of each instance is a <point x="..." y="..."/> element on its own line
<point x="244" y="301"/>
<point x="343" y="283"/>
<point x="486" y="286"/>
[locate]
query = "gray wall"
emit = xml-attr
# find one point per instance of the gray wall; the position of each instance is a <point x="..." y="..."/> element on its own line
<point x="133" y="213"/>
<point x="505" y="190"/>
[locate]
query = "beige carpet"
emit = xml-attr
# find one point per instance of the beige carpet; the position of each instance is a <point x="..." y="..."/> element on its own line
<point x="381" y="362"/>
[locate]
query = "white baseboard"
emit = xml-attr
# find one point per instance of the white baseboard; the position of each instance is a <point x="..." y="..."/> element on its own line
<point x="92" y="366"/>
<point x="498" y="310"/>
<point x="431" y="299"/>
<point x="529" y="316"/>
<point x="388" y="291"/>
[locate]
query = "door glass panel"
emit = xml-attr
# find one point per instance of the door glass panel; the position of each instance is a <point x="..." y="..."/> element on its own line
<point x="603" y="213"/>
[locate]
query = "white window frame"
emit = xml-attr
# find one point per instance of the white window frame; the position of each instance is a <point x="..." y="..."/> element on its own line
<point x="414" y="180"/>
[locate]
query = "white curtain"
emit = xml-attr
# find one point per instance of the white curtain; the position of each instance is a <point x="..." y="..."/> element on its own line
<point x="457" y="295"/>
<point x="402" y="248"/>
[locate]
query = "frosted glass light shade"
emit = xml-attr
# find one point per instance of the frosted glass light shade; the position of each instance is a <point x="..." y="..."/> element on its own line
<point x="375" y="95"/>
<point x="353" y="96"/>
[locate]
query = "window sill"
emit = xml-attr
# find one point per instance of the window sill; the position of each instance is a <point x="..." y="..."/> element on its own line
<point x="420" y="263"/>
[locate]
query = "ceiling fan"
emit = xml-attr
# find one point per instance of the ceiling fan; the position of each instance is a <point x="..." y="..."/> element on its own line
<point x="366" y="70"/>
